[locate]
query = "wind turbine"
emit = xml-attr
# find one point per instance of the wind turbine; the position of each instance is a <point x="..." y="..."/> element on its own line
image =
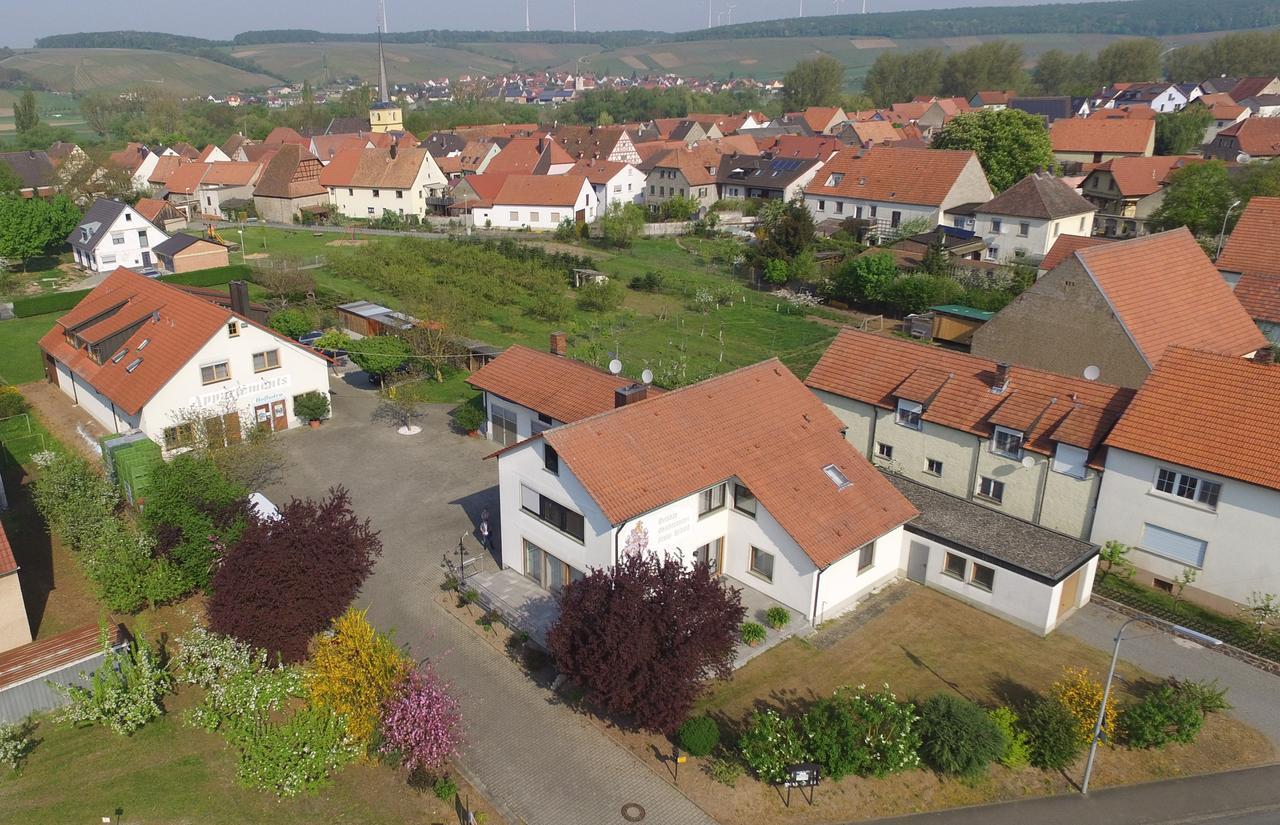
<point x="864" y="6"/>
<point x="837" y="3"/>
<point x="802" y="8"/>
<point x="526" y="15"/>
<point x="575" y="15"/>
<point x="729" y="11"/>
<point x="708" y="14"/>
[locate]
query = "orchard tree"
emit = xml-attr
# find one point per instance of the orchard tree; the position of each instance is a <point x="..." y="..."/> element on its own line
<point x="285" y="580"/>
<point x="1132" y="60"/>
<point x="25" y="114"/>
<point x="1010" y="143"/>
<point x="816" y="82"/>
<point x="379" y="355"/>
<point x="622" y="224"/>
<point x="25" y="229"/>
<point x="642" y="638"/>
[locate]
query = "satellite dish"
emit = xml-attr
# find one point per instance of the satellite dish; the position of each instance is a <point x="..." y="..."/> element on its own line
<point x="1028" y="462"/>
<point x="1092" y="372"/>
<point x="647" y="376"/>
<point x="615" y="366"/>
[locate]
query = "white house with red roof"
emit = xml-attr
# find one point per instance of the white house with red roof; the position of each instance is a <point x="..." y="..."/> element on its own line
<point x="1192" y="478"/>
<point x="613" y="181"/>
<point x="140" y="354"/>
<point x="539" y="202"/>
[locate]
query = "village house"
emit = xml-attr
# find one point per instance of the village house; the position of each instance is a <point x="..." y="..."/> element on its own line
<point x="209" y="189"/>
<point x="1225" y="111"/>
<point x="688" y="172"/>
<point x="403" y="180"/>
<point x="888" y="186"/>
<point x="992" y="100"/>
<point x="539" y="202"/>
<point x="531" y="156"/>
<point x="1159" y="97"/>
<point x="1091" y="140"/>
<point x="1109" y="312"/>
<point x="138" y="161"/>
<point x="613" y="182"/>
<point x="819" y="120"/>
<point x="1019" y="440"/>
<point x="112" y="234"/>
<point x="138" y="354"/>
<point x="161" y="213"/>
<point x="764" y="176"/>
<point x="1250" y="263"/>
<point x="1026" y="219"/>
<point x="611" y="143"/>
<point x="289" y="184"/>
<point x="34" y="170"/>
<point x="1255" y="138"/>
<point x="187" y="253"/>
<point x="1052" y="108"/>
<point x="1192" y="481"/>
<point x="1127" y="192"/>
<point x="1064" y="247"/>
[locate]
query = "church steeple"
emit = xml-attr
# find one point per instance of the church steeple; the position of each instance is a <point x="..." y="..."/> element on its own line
<point x="384" y="116"/>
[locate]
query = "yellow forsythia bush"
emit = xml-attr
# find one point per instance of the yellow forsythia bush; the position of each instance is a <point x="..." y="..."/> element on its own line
<point x="354" y="671"/>
<point x="1081" y="694"/>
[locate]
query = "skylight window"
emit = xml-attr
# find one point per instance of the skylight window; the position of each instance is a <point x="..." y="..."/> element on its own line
<point x="837" y="478"/>
<point x="144" y="343"/>
<point x="115" y="359"/>
<point x="133" y="365"/>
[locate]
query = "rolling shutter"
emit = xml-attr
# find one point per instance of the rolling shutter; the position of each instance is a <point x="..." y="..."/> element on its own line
<point x="1173" y="545"/>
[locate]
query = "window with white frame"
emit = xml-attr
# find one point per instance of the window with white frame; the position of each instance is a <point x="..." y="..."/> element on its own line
<point x="744" y="501"/>
<point x="514" y="216"/>
<point x="551" y="512"/>
<point x="909" y="412"/>
<point x="990" y="489"/>
<point x="885" y="451"/>
<point x="1192" y="488"/>
<point x="711" y="499"/>
<point x="376" y="193"/>
<point x="1007" y="442"/>
<point x="1024" y="229"/>
<point x="1070" y="461"/>
<point x="503" y="423"/>
<point x="534" y="217"/>
<point x="866" y="556"/>
<point x="995" y="225"/>
<point x="555" y="217"/>
<point x="933" y="466"/>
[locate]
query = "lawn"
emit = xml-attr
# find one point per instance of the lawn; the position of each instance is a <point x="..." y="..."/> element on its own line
<point x="20" y="359"/>
<point x="919" y="642"/>
<point x="169" y="772"/>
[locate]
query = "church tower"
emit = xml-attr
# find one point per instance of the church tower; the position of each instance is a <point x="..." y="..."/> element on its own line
<point x="384" y="116"/>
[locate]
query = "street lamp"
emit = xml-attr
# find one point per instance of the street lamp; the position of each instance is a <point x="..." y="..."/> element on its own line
<point x="1186" y="632"/>
<point x="241" y="231"/>
<point x="1225" y="215"/>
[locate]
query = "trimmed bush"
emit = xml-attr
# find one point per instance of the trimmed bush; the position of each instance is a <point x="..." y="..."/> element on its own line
<point x="45" y="304"/>
<point x="1165" y="715"/>
<point x="1018" y="754"/>
<point x="1208" y="695"/>
<point x="959" y="738"/>
<point x="869" y="734"/>
<point x="1081" y="695"/>
<point x="470" y="416"/>
<point x="216" y="276"/>
<point x="1054" y="734"/>
<point x="699" y="735"/>
<point x="293" y="322"/>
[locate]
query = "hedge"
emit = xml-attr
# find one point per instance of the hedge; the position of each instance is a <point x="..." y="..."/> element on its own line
<point x="63" y="301"/>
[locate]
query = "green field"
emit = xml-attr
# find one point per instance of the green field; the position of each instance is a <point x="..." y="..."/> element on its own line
<point x="58" y="110"/>
<point x="762" y="58"/>
<point x="18" y="336"/>
<point x="81" y="70"/>
<point x="323" y="62"/>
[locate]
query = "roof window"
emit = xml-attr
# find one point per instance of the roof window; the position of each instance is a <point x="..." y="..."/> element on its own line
<point x="837" y="478"/>
<point x="144" y="343"/>
<point x="115" y="359"/>
<point x="133" y="365"/>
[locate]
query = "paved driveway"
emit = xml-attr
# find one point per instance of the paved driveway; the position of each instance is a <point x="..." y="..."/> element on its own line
<point x="532" y="757"/>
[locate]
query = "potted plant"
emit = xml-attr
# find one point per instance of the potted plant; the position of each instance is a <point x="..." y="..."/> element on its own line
<point x="470" y="416"/>
<point x="778" y="617"/>
<point x="752" y="633"/>
<point x="312" y="406"/>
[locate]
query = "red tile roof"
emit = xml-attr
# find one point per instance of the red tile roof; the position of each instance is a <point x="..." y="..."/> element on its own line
<point x="165" y="166"/>
<point x="1247" y="87"/>
<point x="1259" y="294"/>
<point x="1257" y="136"/>
<point x="564" y="388"/>
<point x="149" y="208"/>
<point x="892" y="173"/>
<point x="1208" y="412"/>
<point x="1078" y="134"/>
<point x="520" y="155"/>
<point x="375" y="168"/>
<point x="698" y="163"/>
<point x="800" y="146"/>
<point x="283" y="134"/>
<point x="819" y="118"/>
<point x="1165" y="291"/>
<point x="599" y="172"/>
<point x="1254" y="245"/>
<point x="1065" y="245"/>
<point x="486" y="187"/>
<point x="1138" y="177"/>
<point x="956" y="391"/>
<point x="758" y="424"/>
<point x="540" y="190"/>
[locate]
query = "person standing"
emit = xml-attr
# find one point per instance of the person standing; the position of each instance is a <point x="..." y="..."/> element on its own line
<point x="486" y="540"/>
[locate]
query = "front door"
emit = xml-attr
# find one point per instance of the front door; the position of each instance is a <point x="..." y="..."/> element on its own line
<point x="918" y="562"/>
<point x="1070" y="594"/>
<point x="146" y="258"/>
<point x="262" y="417"/>
<point x="279" y="416"/>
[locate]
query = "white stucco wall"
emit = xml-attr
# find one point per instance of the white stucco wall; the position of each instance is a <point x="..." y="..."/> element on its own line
<point x="1008" y="241"/>
<point x="300" y="371"/>
<point x="108" y="254"/>
<point x="841" y="586"/>
<point x="356" y="201"/>
<point x="542" y="218"/>
<point x="827" y="206"/>
<point x="1242" y="553"/>
<point x="625" y="187"/>
<point x="98" y="406"/>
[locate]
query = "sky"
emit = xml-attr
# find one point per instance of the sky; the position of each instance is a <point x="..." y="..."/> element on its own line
<point x="19" y="29"/>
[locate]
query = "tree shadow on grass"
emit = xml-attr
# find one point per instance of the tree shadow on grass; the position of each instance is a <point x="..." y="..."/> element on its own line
<point x="921" y="663"/>
<point x="1011" y="692"/>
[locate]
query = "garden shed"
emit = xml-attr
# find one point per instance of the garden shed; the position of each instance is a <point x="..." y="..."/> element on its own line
<point x="365" y="318"/>
<point x="25" y="672"/>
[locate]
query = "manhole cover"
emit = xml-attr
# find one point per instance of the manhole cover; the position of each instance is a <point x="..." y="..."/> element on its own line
<point x="632" y="812"/>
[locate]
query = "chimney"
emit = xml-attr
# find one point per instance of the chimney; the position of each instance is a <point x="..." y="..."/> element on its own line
<point x="1265" y="355"/>
<point x="239" y="291"/>
<point x="559" y="344"/>
<point x="623" y="396"/>
<point x="393" y="151"/>
<point x="1002" y="377"/>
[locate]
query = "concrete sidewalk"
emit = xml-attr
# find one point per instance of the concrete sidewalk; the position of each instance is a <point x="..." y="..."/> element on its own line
<point x="1254" y="694"/>
<point x="1248" y="797"/>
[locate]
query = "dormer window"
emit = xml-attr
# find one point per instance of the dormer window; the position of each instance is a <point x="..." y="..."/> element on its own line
<point x="1007" y="443"/>
<point x="909" y="413"/>
<point x="835" y="178"/>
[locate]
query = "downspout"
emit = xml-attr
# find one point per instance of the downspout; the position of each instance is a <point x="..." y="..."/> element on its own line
<point x="115" y="418"/>
<point x="875" y="419"/>
<point x="1044" y="483"/>
<point x="817" y="592"/>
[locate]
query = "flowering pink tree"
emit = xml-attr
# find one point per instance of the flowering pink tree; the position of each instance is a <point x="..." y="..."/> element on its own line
<point x="421" y="722"/>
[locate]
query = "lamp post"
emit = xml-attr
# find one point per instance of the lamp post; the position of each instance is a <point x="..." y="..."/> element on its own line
<point x="1223" y="232"/>
<point x="241" y="231"/>
<point x="1186" y="632"/>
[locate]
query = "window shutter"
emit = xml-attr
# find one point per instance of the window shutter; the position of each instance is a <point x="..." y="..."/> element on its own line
<point x="530" y="500"/>
<point x="1070" y="460"/>
<point x="1173" y="545"/>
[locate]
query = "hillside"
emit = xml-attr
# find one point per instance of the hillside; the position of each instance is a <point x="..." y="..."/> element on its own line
<point x="322" y="62"/>
<point x="80" y="70"/>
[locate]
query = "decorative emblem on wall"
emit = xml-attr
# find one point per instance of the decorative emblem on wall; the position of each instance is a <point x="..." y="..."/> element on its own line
<point x="637" y="543"/>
